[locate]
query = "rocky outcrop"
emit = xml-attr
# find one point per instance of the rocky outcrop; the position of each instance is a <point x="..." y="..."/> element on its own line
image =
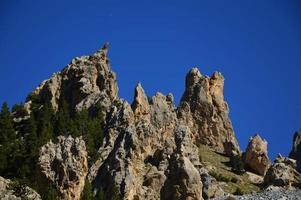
<point x="86" y="81"/>
<point x="296" y="150"/>
<point x="65" y="166"/>
<point x="283" y="173"/>
<point x="152" y="155"/>
<point x="204" y="110"/>
<point x="13" y="191"/>
<point x="256" y="155"/>
<point x="149" y="147"/>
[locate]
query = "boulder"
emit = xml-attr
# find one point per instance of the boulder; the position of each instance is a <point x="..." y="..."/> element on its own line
<point x="256" y="155"/>
<point x="283" y="173"/>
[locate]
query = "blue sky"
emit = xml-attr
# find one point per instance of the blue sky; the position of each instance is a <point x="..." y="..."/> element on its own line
<point x="255" y="44"/>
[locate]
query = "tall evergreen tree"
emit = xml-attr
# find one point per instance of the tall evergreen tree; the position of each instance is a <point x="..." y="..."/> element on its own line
<point x="64" y="124"/>
<point x="45" y="119"/>
<point x="7" y="139"/>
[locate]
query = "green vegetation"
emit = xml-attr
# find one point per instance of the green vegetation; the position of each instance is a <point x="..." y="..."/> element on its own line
<point x="87" y="193"/>
<point x="219" y="177"/>
<point x="223" y="171"/>
<point x="237" y="164"/>
<point x="238" y="191"/>
<point x="22" y="135"/>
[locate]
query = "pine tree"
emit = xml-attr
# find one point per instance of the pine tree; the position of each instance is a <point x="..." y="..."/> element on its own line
<point x="7" y="139"/>
<point x="64" y="124"/>
<point x="115" y="194"/>
<point x="45" y="118"/>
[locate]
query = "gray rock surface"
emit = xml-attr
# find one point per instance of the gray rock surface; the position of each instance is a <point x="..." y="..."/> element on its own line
<point x="256" y="155"/>
<point x="65" y="165"/>
<point x="9" y="192"/>
<point x="152" y="155"/>
<point x="275" y="194"/>
<point x="283" y="173"/>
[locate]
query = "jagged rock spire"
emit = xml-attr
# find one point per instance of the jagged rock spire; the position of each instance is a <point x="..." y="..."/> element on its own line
<point x="203" y="108"/>
<point x="140" y="105"/>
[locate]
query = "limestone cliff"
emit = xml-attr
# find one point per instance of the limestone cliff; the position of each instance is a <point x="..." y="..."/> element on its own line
<point x="149" y="149"/>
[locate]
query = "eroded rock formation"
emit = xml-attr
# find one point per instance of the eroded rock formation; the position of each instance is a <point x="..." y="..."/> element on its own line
<point x="86" y="81"/>
<point x="149" y="150"/>
<point x="283" y="173"/>
<point x="204" y="110"/>
<point x="64" y="164"/>
<point x="256" y="155"/>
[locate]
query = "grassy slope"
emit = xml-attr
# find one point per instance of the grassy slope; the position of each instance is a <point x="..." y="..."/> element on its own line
<point x="219" y="164"/>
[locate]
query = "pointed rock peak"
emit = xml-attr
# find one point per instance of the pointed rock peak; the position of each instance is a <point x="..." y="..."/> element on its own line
<point x="217" y="75"/>
<point x="170" y="98"/>
<point x="105" y="46"/>
<point x="193" y="76"/>
<point x="139" y="93"/>
<point x="296" y="149"/>
<point x="257" y="137"/>
<point x="103" y="51"/>
<point x="140" y="104"/>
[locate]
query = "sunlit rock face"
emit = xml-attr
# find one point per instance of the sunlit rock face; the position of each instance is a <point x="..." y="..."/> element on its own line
<point x="205" y="112"/>
<point x="150" y="148"/>
<point x="86" y="81"/>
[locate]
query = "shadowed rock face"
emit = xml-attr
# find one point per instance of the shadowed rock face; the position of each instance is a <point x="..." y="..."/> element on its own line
<point x="256" y="155"/>
<point x="65" y="165"/>
<point x="204" y="110"/>
<point x="296" y="149"/>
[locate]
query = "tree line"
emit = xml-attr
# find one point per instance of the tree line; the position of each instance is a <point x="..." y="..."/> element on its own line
<point x="22" y="134"/>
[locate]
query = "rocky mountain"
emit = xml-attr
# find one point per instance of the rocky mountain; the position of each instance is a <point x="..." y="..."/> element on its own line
<point x="149" y="148"/>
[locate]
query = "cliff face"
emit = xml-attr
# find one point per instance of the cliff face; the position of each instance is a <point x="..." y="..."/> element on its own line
<point x="65" y="166"/>
<point x="149" y="149"/>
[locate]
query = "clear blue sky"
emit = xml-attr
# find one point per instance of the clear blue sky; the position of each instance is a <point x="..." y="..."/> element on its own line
<point x="256" y="44"/>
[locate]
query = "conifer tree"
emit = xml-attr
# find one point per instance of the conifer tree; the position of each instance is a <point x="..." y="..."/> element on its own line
<point x="87" y="193"/>
<point x="7" y="139"/>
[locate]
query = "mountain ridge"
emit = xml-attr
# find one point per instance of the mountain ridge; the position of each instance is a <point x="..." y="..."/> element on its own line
<point x="84" y="141"/>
